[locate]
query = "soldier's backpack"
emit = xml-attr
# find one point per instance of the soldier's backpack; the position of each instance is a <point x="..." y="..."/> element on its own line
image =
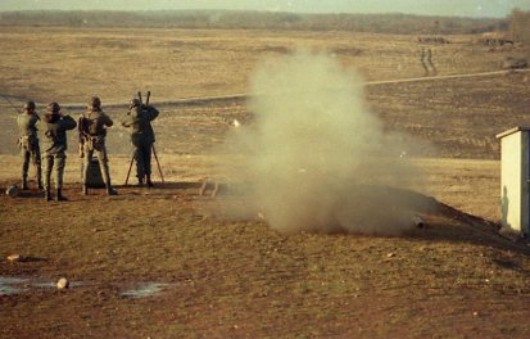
<point x="94" y="177"/>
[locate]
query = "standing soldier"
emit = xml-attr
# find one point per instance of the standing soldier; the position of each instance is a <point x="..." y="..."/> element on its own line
<point x="92" y="127"/>
<point x="29" y="142"/>
<point x="55" y="146"/>
<point x="426" y="61"/>
<point x="139" y="119"/>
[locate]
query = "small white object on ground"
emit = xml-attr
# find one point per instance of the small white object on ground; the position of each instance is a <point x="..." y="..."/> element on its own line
<point x="62" y="283"/>
<point x="13" y="258"/>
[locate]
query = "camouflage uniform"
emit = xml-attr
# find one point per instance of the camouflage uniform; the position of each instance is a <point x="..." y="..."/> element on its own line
<point x="28" y="142"/>
<point x="139" y="119"/>
<point x="92" y="127"/>
<point x="54" y="145"/>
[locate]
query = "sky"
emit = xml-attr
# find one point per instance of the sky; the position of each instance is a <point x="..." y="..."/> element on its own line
<point x="468" y="8"/>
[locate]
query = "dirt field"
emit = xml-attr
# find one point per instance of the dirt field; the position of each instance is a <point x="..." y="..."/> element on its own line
<point x="167" y="262"/>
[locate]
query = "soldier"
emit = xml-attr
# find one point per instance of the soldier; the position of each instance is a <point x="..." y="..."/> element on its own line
<point x="55" y="146"/>
<point x="28" y="142"/>
<point x="139" y="119"/>
<point x="92" y="127"/>
<point x="426" y="61"/>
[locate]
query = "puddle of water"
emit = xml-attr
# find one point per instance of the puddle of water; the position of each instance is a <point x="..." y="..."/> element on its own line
<point x="10" y="290"/>
<point x="11" y="285"/>
<point x="12" y="280"/>
<point x="43" y="284"/>
<point x="144" y="290"/>
<point x="51" y="284"/>
<point x="16" y="285"/>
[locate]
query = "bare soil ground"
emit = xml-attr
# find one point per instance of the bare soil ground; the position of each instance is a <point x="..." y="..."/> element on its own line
<point x="167" y="262"/>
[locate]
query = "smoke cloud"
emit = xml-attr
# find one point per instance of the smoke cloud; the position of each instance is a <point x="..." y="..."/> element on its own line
<point x="317" y="158"/>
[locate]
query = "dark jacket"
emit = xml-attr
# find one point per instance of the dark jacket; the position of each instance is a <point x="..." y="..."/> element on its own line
<point x="27" y="124"/>
<point x="139" y="119"/>
<point x="55" y="127"/>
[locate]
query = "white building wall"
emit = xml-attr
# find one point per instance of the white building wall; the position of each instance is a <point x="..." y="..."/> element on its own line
<point x="514" y="198"/>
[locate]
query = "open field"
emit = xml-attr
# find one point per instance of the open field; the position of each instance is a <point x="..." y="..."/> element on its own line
<point x="167" y="262"/>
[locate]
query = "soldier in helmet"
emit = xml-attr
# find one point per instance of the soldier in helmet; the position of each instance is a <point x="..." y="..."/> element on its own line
<point x="54" y="145"/>
<point x="92" y="126"/>
<point x="28" y="142"/>
<point x="139" y="120"/>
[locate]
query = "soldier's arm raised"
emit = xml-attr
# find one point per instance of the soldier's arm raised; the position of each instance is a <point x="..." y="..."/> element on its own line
<point x="68" y="122"/>
<point x="131" y="117"/>
<point x="152" y="113"/>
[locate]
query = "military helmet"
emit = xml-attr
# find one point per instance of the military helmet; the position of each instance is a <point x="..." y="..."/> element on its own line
<point x="29" y="105"/>
<point x="54" y="107"/>
<point x="94" y="102"/>
<point x="135" y="102"/>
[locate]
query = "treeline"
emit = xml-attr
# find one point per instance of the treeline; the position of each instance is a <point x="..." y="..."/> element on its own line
<point x="376" y="23"/>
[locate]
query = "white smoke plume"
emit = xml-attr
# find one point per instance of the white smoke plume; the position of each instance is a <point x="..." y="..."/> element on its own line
<point x="317" y="158"/>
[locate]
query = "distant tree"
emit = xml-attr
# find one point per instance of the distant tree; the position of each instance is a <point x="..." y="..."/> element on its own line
<point x="377" y="23"/>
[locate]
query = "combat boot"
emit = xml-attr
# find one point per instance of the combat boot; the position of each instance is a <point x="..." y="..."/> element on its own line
<point x="47" y="194"/>
<point x="59" y="196"/>
<point x="149" y="182"/>
<point x="111" y="190"/>
<point x="140" y="181"/>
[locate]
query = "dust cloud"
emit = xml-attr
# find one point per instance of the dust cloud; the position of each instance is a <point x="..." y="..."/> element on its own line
<point x="317" y="158"/>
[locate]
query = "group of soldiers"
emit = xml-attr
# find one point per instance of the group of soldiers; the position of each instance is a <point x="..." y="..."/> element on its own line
<point x="92" y="127"/>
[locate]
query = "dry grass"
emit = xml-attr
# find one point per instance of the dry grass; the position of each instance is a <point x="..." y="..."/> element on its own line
<point x="236" y="277"/>
<point x="70" y="64"/>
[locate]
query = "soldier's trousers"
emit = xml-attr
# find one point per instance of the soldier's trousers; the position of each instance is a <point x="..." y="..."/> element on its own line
<point x="31" y="154"/>
<point x="55" y="163"/>
<point x="143" y="160"/>
<point x="101" y="154"/>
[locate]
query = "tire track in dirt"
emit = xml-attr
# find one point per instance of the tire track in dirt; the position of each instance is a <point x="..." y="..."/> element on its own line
<point x="244" y="96"/>
<point x="444" y="77"/>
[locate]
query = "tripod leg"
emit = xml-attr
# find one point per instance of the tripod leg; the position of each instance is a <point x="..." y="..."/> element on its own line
<point x="130" y="166"/>
<point x="158" y="163"/>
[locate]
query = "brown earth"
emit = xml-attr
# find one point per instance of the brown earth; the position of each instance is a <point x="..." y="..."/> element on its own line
<point x="235" y="277"/>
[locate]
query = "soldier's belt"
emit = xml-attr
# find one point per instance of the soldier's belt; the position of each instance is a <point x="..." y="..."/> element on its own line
<point x="94" y="142"/>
